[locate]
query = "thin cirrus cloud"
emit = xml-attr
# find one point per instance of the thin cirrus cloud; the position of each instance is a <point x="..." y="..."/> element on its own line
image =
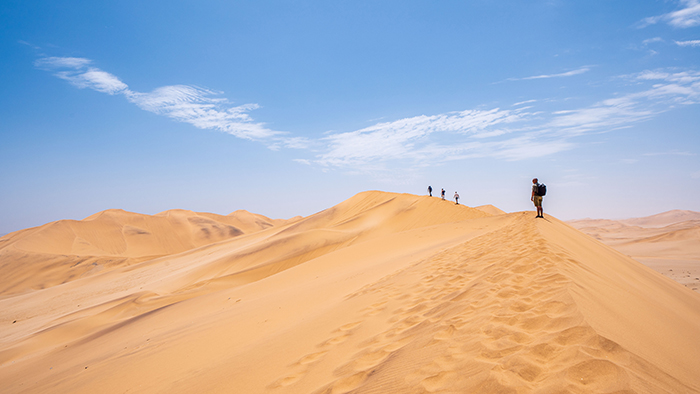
<point x="409" y="138"/>
<point x="509" y="134"/>
<point x="504" y="134"/>
<point x="189" y="104"/>
<point x="690" y="43"/>
<point x="558" y="75"/>
<point x="688" y="16"/>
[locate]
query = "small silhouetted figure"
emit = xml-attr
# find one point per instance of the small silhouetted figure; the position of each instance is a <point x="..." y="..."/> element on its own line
<point x="443" y="194"/>
<point x="430" y="191"/>
<point x="536" y="198"/>
<point x="456" y="198"/>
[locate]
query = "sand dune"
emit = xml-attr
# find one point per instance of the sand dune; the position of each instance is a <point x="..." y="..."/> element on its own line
<point x="668" y="242"/>
<point x="69" y="249"/>
<point x="490" y="209"/>
<point x="383" y="293"/>
<point x="663" y="219"/>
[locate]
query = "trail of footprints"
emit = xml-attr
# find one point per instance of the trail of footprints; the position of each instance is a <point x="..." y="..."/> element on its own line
<point x="492" y="315"/>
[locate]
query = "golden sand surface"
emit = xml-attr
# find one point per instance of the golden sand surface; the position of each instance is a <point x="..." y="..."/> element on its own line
<point x="668" y="242"/>
<point x="382" y="293"/>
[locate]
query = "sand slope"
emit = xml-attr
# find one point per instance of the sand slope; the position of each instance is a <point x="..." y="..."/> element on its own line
<point x="490" y="209"/>
<point x="668" y="242"/>
<point x="383" y="293"/>
<point x="68" y="249"/>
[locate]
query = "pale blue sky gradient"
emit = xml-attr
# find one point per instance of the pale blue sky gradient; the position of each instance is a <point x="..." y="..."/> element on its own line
<point x="287" y="108"/>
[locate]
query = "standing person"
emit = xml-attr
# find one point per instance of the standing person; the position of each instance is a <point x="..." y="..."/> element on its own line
<point x="430" y="191"/>
<point x="456" y="198"/>
<point x="443" y="194"/>
<point x="537" y="198"/>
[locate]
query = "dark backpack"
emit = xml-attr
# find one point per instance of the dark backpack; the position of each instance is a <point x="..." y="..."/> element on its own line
<point x="541" y="189"/>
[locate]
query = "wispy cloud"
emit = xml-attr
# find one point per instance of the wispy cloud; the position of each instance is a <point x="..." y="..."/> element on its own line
<point x="559" y="75"/>
<point x="691" y="43"/>
<point x="652" y="40"/>
<point x="688" y="16"/>
<point x="504" y="134"/>
<point x="401" y="139"/>
<point x="670" y="153"/>
<point x="202" y="108"/>
<point x="517" y="133"/>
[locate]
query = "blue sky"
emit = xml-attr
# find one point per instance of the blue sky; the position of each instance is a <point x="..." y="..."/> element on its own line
<point x="287" y="108"/>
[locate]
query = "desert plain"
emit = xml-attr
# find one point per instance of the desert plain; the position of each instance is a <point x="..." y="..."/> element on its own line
<point x="382" y="293"/>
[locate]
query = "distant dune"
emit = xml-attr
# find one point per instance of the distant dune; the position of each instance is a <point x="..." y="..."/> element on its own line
<point x="382" y="293"/>
<point x="65" y="250"/>
<point x="668" y="242"/>
<point x="663" y="219"/>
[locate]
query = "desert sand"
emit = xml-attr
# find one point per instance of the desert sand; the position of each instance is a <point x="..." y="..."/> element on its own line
<point x="668" y="242"/>
<point x="382" y="293"/>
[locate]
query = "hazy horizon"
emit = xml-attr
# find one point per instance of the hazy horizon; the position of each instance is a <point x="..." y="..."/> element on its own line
<point x="287" y="109"/>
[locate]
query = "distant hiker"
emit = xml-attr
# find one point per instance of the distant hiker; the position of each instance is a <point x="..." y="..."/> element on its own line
<point x="538" y="191"/>
<point x="456" y="198"/>
<point x="430" y="191"/>
<point x="443" y="194"/>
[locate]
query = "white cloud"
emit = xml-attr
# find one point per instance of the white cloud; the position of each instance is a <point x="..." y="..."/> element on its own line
<point x="688" y="16"/>
<point x="400" y="139"/>
<point x="95" y="79"/>
<point x="62" y="62"/>
<point x="197" y="107"/>
<point x="560" y="75"/>
<point x="414" y="142"/>
<point x="691" y="43"/>
<point x="652" y="40"/>
<point x="504" y="134"/>
<point x="670" y="153"/>
<point x="189" y="104"/>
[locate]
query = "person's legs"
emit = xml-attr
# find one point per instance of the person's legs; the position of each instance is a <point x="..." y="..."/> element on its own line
<point x="538" y="204"/>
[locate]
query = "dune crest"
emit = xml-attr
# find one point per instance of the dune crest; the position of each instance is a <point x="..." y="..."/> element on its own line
<point x="382" y="293"/>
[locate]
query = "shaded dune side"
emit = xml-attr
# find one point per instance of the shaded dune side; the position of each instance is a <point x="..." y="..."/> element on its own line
<point x="65" y="250"/>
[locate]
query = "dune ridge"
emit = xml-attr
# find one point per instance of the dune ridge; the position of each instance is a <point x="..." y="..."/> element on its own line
<point x="383" y="293"/>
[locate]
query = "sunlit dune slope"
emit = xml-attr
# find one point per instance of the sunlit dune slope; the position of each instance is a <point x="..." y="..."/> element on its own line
<point x="383" y="293"/>
<point x="490" y="209"/>
<point x="68" y="249"/>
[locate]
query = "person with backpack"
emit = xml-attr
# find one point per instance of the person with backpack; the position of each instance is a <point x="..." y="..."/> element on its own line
<point x="430" y="191"/>
<point x="538" y="191"/>
<point x="443" y="194"/>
